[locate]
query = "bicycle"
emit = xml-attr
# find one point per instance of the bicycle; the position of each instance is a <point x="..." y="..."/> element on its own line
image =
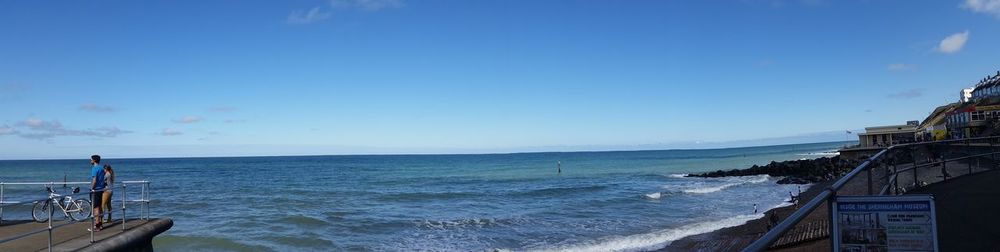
<point x="78" y="210"/>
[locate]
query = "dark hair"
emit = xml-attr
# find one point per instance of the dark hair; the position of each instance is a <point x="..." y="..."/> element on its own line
<point x="96" y="158"/>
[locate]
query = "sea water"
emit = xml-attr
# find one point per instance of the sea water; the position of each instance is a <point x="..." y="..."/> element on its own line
<point x="601" y="201"/>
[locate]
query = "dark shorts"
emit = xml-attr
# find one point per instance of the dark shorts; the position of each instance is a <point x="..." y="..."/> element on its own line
<point x="95" y="199"/>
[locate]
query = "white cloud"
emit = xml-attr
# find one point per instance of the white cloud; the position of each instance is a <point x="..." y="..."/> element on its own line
<point x="305" y="17"/>
<point x="953" y="43"/>
<point x="900" y="67"/>
<point x="108" y="132"/>
<point x="983" y="6"/>
<point x="34" y="128"/>
<point x="189" y="119"/>
<point x="7" y="130"/>
<point x="368" y="5"/>
<point x="90" y="107"/>
<point x="170" y="132"/>
<point x="39" y="124"/>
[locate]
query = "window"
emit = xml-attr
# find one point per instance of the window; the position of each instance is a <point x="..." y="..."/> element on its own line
<point x="978" y="116"/>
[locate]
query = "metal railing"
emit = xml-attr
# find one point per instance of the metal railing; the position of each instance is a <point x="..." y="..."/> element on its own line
<point x="893" y="171"/>
<point x="143" y="200"/>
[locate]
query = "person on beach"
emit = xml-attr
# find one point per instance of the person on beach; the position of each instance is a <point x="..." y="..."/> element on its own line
<point x="109" y="181"/>
<point x="793" y="199"/>
<point x="97" y="185"/>
<point x="754" y="208"/>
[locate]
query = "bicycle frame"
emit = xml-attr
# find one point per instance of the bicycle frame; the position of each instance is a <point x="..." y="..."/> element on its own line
<point x="63" y="202"/>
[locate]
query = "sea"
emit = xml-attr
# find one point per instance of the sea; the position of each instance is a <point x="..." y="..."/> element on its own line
<point x="599" y="201"/>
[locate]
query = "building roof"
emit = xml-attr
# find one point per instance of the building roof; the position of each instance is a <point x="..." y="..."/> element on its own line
<point x="938" y="115"/>
<point x="989" y="81"/>
<point x="889" y="129"/>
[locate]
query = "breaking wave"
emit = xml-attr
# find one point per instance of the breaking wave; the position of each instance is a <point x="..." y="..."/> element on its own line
<point x="655" y="195"/>
<point x="658" y="239"/>
<point x="822" y="153"/>
<point x="726" y="183"/>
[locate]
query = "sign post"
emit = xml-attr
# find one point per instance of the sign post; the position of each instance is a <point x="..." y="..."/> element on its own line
<point x="884" y="223"/>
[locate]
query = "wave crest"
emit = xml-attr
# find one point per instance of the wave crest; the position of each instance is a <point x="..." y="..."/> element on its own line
<point x="658" y="239"/>
<point x="466" y="223"/>
<point x="728" y="182"/>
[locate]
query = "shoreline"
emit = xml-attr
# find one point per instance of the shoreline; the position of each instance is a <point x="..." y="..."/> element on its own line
<point x="819" y="173"/>
<point x="735" y="238"/>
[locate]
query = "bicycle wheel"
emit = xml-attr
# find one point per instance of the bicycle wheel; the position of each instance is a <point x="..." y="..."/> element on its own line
<point x="80" y="210"/>
<point x="40" y="211"/>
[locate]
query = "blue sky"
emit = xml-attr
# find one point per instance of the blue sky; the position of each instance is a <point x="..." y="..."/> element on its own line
<point x="205" y="78"/>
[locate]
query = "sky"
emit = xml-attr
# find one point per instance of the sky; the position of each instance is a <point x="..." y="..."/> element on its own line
<point x="234" y="78"/>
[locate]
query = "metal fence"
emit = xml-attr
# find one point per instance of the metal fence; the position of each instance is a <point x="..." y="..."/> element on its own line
<point x="893" y="171"/>
<point x="142" y="200"/>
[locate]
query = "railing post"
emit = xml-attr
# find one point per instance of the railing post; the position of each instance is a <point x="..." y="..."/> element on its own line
<point x="895" y="184"/>
<point x="1" y="202"/>
<point x="93" y="216"/>
<point x="123" y="206"/>
<point x="51" y="206"/>
<point x="944" y="169"/>
<point x="970" y="166"/>
<point x="829" y="212"/>
<point x="916" y="182"/>
<point x="142" y="203"/>
<point x="145" y="197"/>
<point x="870" y="181"/>
<point x="889" y="175"/>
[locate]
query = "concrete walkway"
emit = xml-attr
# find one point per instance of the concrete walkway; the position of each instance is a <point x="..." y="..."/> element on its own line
<point x="967" y="209"/>
<point x="75" y="236"/>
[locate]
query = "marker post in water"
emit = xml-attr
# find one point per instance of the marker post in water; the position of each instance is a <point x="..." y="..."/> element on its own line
<point x="559" y="167"/>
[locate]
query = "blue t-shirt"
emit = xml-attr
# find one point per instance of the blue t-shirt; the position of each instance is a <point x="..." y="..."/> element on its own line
<point x="98" y="172"/>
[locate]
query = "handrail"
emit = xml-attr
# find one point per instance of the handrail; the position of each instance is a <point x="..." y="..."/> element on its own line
<point x="778" y="231"/>
<point x="44" y="183"/>
<point x="828" y="193"/>
<point x="143" y="201"/>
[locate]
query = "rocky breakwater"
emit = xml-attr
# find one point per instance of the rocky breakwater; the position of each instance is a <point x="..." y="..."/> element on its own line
<point x="793" y="171"/>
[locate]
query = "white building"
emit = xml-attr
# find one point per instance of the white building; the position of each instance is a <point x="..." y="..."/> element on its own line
<point x="965" y="95"/>
<point x="885" y="136"/>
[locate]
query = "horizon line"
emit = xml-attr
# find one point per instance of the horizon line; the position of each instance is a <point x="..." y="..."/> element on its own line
<point x="433" y="154"/>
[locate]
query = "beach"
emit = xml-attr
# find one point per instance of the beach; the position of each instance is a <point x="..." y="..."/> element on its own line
<point x="737" y="237"/>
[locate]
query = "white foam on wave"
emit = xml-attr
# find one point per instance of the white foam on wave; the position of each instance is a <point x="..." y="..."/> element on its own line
<point x="729" y="182"/>
<point x="710" y="189"/>
<point x="678" y="175"/>
<point x="823" y="153"/>
<point x="782" y="204"/>
<point x="658" y="239"/>
<point x="755" y="179"/>
<point x="655" y="195"/>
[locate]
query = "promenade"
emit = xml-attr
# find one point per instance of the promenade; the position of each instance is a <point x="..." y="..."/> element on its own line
<point x="137" y="236"/>
<point x="966" y="213"/>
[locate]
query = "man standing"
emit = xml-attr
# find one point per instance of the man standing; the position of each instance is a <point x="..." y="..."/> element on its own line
<point x="97" y="186"/>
